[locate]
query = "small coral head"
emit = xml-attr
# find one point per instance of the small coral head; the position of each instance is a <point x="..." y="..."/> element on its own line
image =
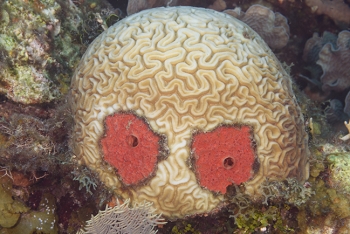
<point x="131" y="147"/>
<point x="224" y="156"/>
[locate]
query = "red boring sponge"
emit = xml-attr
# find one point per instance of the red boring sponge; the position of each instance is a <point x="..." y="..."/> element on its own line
<point x="130" y="146"/>
<point x="223" y="156"/>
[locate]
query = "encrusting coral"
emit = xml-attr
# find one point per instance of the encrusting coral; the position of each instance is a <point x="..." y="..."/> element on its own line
<point x="327" y="57"/>
<point x="335" y="63"/>
<point x="337" y="10"/>
<point x="272" y="27"/>
<point x="184" y="71"/>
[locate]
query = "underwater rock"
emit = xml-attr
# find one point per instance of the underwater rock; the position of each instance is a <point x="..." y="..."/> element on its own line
<point x="314" y="45"/>
<point x="218" y="5"/>
<point x="334" y="112"/>
<point x="337" y="10"/>
<point x="328" y="58"/>
<point x="311" y="52"/>
<point x="25" y="52"/>
<point x="43" y="220"/>
<point x="10" y="209"/>
<point x="40" y="43"/>
<point x="339" y="171"/>
<point x="347" y="104"/>
<point x="334" y="61"/>
<point x="167" y="67"/>
<point x="135" y="6"/>
<point x="272" y="27"/>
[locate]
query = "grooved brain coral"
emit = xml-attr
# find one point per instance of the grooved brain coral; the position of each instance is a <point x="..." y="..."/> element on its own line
<point x="203" y="89"/>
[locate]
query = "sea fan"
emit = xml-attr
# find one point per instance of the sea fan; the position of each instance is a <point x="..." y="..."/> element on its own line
<point x="122" y="219"/>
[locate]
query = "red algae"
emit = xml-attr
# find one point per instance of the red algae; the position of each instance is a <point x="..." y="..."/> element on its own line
<point x="223" y="156"/>
<point x="131" y="147"/>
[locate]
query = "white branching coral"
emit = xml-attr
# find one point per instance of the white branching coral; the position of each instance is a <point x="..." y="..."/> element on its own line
<point x="122" y="219"/>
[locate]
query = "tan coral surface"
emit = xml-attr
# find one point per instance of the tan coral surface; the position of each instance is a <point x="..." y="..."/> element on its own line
<point x="186" y="69"/>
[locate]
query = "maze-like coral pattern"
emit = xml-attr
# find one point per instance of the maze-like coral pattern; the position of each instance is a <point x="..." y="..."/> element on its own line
<point x="186" y="69"/>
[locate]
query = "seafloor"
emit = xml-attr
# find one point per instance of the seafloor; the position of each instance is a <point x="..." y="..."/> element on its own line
<point x="43" y="191"/>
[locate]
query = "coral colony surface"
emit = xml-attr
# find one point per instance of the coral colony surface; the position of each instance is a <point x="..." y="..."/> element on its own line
<point x="183" y="75"/>
<point x="219" y="116"/>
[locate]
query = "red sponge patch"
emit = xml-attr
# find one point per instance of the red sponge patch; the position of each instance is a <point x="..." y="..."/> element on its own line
<point x="131" y="147"/>
<point x="224" y="156"/>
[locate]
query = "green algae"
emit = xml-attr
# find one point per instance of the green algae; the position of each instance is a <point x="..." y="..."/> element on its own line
<point x="340" y="171"/>
<point x="40" y="46"/>
<point x="7" y="42"/>
<point x="44" y="220"/>
<point x="187" y="228"/>
<point x="10" y="209"/>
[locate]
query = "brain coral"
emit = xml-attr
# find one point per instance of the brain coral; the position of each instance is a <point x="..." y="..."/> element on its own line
<point x="185" y="73"/>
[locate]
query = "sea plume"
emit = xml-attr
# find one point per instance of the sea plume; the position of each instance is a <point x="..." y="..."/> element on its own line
<point x="122" y="219"/>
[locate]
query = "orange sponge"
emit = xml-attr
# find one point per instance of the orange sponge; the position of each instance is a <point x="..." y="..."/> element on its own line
<point x="130" y="146"/>
<point x="224" y="156"/>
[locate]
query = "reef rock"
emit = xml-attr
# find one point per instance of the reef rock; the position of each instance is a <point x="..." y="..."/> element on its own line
<point x="328" y="63"/>
<point x="135" y="6"/>
<point x="337" y="10"/>
<point x="335" y="63"/>
<point x="272" y="27"/>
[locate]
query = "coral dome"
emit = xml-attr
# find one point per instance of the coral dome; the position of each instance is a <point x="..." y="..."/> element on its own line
<point x="172" y="105"/>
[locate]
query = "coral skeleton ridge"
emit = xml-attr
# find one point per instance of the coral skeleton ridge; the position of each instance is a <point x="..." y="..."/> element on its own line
<point x="182" y="72"/>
